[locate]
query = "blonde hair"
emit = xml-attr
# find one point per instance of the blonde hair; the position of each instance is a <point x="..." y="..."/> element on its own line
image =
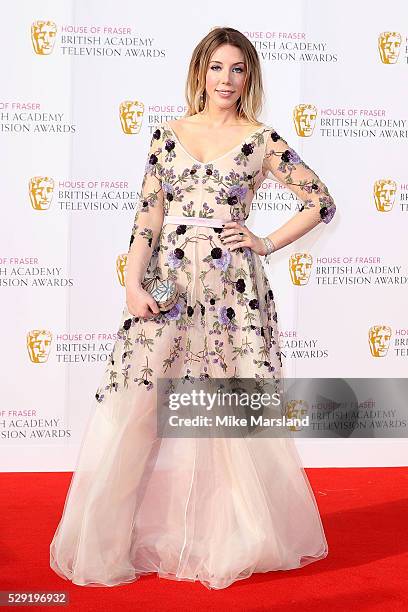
<point x="249" y="104"/>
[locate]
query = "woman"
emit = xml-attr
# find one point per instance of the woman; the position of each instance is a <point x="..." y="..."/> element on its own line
<point x="209" y="509"/>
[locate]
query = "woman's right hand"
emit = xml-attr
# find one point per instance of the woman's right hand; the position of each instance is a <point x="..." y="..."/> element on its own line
<point x="140" y="303"/>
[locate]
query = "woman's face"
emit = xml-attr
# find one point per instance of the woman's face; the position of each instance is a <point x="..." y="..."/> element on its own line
<point x="225" y="76"/>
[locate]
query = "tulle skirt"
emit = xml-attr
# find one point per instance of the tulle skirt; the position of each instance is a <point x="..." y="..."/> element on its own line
<point x="213" y="510"/>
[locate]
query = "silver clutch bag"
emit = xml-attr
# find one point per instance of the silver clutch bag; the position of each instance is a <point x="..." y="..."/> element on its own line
<point x="164" y="291"/>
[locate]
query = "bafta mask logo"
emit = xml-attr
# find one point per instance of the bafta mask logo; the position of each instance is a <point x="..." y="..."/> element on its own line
<point x="304" y="117"/>
<point x="379" y="337"/>
<point x="121" y="268"/>
<point x="39" y="344"/>
<point x="300" y="267"/>
<point x="384" y="194"/>
<point x="296" y="409"/>
<point x="43" y="35"/>
<point x="389" y="45"/>
<point x="41" y="190"/>
<point x="131" y="115"/>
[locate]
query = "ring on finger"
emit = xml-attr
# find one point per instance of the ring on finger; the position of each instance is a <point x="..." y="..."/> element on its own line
<point x="232" y="235"/>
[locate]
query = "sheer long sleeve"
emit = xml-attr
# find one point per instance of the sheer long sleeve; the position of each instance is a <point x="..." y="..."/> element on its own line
<point x="282" y="163"/>
<point x="149" y="215"/>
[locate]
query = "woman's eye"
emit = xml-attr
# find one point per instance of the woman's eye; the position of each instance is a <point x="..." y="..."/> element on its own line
<point x="237" y="68"/>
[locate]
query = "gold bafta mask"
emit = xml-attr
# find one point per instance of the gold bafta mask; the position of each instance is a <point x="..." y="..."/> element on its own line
<point x="300" y="267"/>
<point x="389" y="44"/>
<point x="39" y="344"/>
<point x="41" y="190"/>
<point x="304" y="117"/>
<point x="121" y="268"/>
<point x="43" y="35"/>
<point x="296" y="409"/>
<point x="379" y="337"/>
<point x="384" y="194"/>
<point x="131" y="115"/>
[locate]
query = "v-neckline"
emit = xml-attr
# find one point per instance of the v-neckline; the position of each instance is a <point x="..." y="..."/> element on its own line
<point x="211" y="161"/>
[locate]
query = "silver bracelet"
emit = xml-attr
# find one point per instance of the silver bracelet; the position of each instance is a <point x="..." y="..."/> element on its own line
<point x="270" y="247"/>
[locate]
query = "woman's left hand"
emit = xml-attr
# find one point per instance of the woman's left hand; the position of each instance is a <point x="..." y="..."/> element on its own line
<point x="234" y="236"/>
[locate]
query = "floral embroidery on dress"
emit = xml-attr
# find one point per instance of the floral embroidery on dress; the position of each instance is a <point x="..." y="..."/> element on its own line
<point x="225" y="321"/>
<point x="289" y="170"/>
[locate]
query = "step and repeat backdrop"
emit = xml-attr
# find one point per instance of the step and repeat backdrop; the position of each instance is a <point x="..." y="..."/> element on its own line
<point x="84" y="85"/>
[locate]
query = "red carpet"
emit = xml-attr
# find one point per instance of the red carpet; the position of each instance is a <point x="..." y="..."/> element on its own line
<point x="364" y="512"/>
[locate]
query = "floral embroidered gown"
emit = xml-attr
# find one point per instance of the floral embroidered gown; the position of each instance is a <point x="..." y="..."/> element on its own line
<point x="208" y="509"/>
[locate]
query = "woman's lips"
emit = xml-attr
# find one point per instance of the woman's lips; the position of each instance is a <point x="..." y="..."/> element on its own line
<point x="224" y="94"/>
